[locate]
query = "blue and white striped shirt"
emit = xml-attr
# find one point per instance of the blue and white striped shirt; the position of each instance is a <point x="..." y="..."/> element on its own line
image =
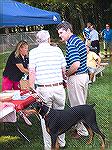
<point x="48" y="62"/>
<point x="76" y="51"/>
<point x="86" y="31"/>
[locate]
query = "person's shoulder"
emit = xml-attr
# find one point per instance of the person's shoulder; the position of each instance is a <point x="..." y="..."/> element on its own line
<point x="95" y="30"/>
<point x="75" y="37"/>
<point x="56" y="48"/>
<point x="12" y="55"/>
<point x="33" y="50"/>
<point x="95" y="55"/>
<point x="84" y="29"/>
<point x="104" y="29"/>
<point x="91" y="53"/>
<point x="78" y="41"/>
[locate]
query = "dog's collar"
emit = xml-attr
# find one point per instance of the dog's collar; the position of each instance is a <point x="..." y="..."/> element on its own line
<point x="37" y="111"/>
<point x="47" y="113"/>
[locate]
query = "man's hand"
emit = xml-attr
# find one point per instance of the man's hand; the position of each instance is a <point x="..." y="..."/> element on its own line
<point x="65" y="84"/>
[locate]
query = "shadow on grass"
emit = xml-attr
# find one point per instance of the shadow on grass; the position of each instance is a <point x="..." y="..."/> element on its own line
<point x="11" y="139"/>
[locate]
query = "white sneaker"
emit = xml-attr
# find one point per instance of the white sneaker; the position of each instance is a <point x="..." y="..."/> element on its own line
<point x="83" y="132"/>
<point x="89" y="82"/>
<point x="81" y="129"/>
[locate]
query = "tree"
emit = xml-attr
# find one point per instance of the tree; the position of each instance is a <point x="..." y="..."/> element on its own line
<point x="78" y="12"/>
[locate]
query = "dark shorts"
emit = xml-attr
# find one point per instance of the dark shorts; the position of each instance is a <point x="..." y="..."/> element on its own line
<point x="96" y="45"/>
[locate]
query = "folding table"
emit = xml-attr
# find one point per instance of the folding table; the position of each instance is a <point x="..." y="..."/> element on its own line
<point x="16" y="108"/>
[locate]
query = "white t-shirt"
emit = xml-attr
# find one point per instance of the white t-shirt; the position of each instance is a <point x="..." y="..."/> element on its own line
<point x="94" y="35"/>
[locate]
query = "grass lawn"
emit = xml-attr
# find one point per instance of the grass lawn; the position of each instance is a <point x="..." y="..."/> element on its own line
<point x="100" y="93"/>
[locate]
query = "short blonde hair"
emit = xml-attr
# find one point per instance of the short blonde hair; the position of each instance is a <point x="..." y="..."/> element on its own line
<point x="18" y="46"/>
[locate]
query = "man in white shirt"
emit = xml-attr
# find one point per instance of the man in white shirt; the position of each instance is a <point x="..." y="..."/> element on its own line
<point x="94" y="38"/>
<point x="46" y="73"/>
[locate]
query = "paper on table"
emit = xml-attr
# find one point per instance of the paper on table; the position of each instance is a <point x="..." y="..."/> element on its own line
<point x="5" y="111"/>
<point x="23" y="97"/>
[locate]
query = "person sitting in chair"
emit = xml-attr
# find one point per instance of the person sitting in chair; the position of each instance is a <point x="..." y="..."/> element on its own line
<point x="93" y="61"/>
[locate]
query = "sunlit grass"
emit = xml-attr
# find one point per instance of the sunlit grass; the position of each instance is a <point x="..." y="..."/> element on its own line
<point x="4" y="139"/>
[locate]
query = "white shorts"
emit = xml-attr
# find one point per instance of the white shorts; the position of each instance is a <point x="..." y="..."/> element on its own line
<point x="108" y="45"/>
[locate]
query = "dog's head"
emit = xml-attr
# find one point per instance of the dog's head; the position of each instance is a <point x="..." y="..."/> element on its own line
<point x="37" y="108"/>
<point x="36" y="105"/>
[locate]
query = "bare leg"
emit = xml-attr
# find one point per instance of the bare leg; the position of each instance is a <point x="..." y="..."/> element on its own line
<point x="91" y="76"/>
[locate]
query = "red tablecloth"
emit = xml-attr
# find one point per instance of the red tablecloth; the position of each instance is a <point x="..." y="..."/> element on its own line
<point x="22" y="104"/>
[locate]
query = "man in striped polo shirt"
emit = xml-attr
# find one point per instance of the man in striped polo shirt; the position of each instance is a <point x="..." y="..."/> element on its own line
<point x="47" y="67"/>
<point x="76" y="69"/>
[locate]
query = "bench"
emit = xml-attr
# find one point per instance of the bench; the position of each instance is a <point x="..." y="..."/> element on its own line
<point x="100" y="70"/>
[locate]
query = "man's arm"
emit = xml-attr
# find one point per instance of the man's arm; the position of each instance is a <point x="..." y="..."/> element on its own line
<point x="73" y="68"/>
<point x="98" y="61"/>
<point x="31" y="77"/>
<point x="64" y="73"/>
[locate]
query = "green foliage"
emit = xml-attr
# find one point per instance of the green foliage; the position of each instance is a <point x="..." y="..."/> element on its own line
<point x="78" y="12"/>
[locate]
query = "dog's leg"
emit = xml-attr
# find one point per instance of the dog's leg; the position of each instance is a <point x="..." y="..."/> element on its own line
<point x="101" y="135"/>
<point x="54" y="142"/>
<point x="47" y="129"/>
<point x="57" y="145"/>
<point x="91" y="134"/>
<point x="102" y="143"/>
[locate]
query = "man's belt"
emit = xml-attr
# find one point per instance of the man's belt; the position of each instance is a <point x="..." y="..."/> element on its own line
<point x="79" y="73"/>
<point x="49" y="85"/>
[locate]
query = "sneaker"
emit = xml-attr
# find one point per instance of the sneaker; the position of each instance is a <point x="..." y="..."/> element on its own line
<point x="89" y="82"/>
<point x="83" y="132"/>
<point x="64" y="147"/>
<point x="77" y="136"/>
<point x="81" y="129"/>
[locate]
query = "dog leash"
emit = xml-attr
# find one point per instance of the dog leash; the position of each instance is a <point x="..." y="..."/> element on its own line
<point x="67" y="99"/>
<point x="37" y="96"/>
<point x="42" y="99"/>
<point x="25" y="118"/>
